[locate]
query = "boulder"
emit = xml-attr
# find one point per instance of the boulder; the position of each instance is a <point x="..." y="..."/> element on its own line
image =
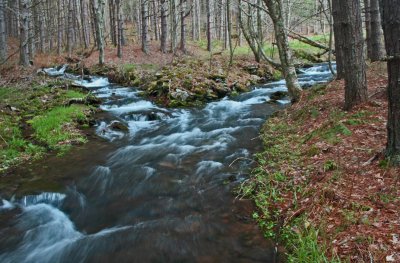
<point x="118" y="126"/>
<point x="278" y="95"/>
<point x="179" y="94"/>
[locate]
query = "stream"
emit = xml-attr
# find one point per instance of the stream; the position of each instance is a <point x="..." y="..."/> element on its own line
<point x="164" y="191"/>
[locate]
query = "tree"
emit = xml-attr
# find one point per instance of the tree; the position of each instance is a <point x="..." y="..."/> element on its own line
<point x="390" y="11"/>
<point x="338" y="42"/>
<point x="367" y="20"/>
<point x="208" y="31"/>
<point x="120" y="30"/>
<point x="24" y="33"/>
<point x="164" y="25"/>
<point x="347" y="18"/>
<point x="145" y="26"/>
<point x="3" y="37"/>
<point x="275" y="8"/>
<point x="377" y="49"/>
<point x="99" y="25"/>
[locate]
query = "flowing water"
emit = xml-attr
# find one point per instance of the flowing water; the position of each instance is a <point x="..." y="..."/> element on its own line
<point x="164" y="194"/>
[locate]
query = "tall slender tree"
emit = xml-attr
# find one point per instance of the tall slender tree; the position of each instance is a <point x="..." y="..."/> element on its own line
<point x="347" y="17"/>
<point x="390" y="11"/>
<point x="164" y="25"/>
<point x="24" y="33"/>
<point x="99" y="12"/>
<point x="145" y="26"/>
<point x="3" y="36"/>
<point x="275" y="8"/>
<point x="377" y="48"/>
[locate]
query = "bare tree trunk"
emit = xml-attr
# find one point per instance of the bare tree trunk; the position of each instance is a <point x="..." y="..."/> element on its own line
<point x="155" y="20"/>
<point x="367" y="11"/>
<point x="84" y="15"/>
<point x="3" y="36"/>
<point x="70" y="37"/>
<point x="247" y="35"/>
<point x="59" y="27"/>
<point x="24" y="33"/>
<point x="164" y="24"/>
<point x="208" y="33"/>
<point x="288" y="70"/>
<point x="390" y="11"/>
<point x="229" y="25"/>
<point x="41" y="26"/>
<point x="119" y="28"/>
<point x="145" y="27"/>
<point x="377" y="51"/>
<point x="112" y="18"/>
<point x="338" y="41"/>
<point x="99" y="12"/>
<point x="348" y="19"/>
<point x="173" y="25"/>
<point x="183" y="25"/>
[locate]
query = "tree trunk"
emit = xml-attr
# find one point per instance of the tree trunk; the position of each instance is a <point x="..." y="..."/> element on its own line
<point x="367" y="11"/>
<point x="182" y="4"/>
<point x="390" y="12"/>
<point x="229" y="31"/>
<point x="288" y="70"/>
<point x="349" y="22"/>
<point x="70" y="28"/>
<point x="99" y="11"/>
<point x="164" y="24"/>
<point x="59" y="27"/>
<point x="155" y="21"/>
<point x="119" y="28"/>
<point x="84" y="15"/>
<point x="377" y="51"/>
<point x="208" y="33"/>
<point x="24" y="33"/>
<point x="3" y="37"/>
<point x="145" y="27"/>
<point x="338" y="41"/>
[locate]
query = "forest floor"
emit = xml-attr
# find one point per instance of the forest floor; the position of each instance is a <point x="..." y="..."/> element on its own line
<point x="323" y="178"/>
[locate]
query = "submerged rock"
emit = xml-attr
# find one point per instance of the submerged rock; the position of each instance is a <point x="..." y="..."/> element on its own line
<point x="118" y="126"/>
<point x="278" y="95"/>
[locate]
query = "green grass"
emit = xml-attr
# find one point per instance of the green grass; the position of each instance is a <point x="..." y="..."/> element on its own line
<point x="13" y="146"/>
<point x="305" y="248"/>
<point x="72" y="94"/>
<point x="54" y="126"/>
<point x="5" y="93"/>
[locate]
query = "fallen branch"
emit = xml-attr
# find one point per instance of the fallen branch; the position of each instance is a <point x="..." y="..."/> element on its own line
<point x="308" y="41"/>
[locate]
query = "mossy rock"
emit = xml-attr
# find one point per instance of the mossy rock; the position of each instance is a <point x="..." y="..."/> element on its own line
<point x="278" y="95"/>
<point x="221" y="90"/>
<point x="118" y="126"/>
<point x="240" y="87"/>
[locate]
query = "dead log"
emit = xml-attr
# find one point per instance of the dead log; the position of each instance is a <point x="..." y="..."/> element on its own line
<point x="308" y="41"/>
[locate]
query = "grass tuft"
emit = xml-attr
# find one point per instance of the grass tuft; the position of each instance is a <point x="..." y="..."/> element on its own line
<point x="56" y="126"/>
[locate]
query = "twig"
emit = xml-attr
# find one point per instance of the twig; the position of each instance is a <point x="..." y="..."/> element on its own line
<point x="294" y="215"/>
<point x="4" y="140"/>
<point x="240" y="158"/>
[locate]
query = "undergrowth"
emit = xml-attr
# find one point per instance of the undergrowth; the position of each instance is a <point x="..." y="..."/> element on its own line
<point x="276" y="191"/>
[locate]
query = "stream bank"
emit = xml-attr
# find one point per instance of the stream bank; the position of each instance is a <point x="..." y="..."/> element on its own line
<point x="322" y="185"/>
